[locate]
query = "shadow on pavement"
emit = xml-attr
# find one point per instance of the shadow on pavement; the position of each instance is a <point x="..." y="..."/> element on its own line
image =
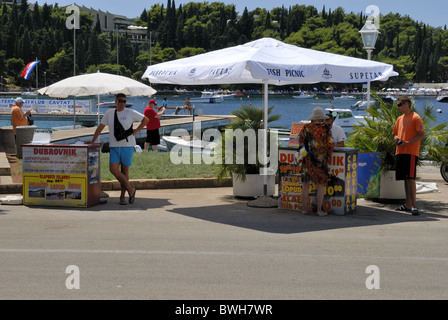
<point x="273" y="220"/>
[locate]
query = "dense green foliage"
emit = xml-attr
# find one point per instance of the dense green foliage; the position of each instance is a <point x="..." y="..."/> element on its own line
<point x="244" y="158"/>
<point x="418" y="52"/>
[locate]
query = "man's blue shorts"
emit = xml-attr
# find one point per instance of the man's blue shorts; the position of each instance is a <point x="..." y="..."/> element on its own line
<point x="121" y="155"/>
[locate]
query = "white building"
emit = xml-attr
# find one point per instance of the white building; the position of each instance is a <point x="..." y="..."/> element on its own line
<point x="113" y="23"/>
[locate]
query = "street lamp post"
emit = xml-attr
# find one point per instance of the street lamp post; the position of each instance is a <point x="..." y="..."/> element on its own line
<point x="369" y="34"/>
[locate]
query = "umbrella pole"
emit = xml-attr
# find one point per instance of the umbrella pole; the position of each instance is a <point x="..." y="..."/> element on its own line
<point x="98" y="112"/>
<point x="265" y="142"/>
<point x="264" y="201"/>
<point x="74" y="112"/>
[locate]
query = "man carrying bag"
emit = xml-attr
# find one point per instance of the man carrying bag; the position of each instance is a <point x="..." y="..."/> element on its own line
<point x="121" y="142"/>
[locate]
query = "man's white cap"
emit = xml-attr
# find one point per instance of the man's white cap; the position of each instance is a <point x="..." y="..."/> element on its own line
<point x="19" y="100"/>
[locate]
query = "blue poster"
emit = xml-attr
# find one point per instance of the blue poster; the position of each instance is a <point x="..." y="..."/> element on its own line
<point x="368" y="175"/>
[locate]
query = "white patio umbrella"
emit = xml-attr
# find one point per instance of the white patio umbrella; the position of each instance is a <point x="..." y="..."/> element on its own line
<point x="267" y="61"/>
<point x="96" y="84"/>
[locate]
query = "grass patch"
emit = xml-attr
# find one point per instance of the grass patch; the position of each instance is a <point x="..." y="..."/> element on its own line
<point x="158" y="165"/>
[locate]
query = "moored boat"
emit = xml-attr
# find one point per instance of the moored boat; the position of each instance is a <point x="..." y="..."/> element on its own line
<point x="443" y="99"/>
<point x="345" y="118"/>
<point x="193" y="145"/>
<point x="209" y="97"/>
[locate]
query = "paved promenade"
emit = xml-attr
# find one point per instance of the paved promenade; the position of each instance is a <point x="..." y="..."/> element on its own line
<point x="202" y="243"/>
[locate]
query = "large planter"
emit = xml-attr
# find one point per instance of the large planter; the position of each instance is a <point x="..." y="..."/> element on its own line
<point x="24" y="135"/>
<point x="253" y="185"/>
<point x="7" y="142"/>
<point x="391" y="188"/>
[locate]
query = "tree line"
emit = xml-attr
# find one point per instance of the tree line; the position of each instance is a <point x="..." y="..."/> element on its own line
<point x="419" y="52"/>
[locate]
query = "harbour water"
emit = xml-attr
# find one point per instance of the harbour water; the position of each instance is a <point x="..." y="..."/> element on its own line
<point x="290" y="109"/>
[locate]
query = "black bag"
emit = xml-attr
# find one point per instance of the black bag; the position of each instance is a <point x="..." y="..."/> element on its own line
<point x="119" y="131"/>
<point x="30" y="121"/>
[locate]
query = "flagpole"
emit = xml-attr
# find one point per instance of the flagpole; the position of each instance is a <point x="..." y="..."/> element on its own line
<point x="37" y="85"/>
<point x="74" y="51"/>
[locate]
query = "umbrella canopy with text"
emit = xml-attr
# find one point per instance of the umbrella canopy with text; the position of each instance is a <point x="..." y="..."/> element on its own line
<point x="268" y="60"/>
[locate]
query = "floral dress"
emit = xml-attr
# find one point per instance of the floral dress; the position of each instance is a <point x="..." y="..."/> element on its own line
<point x="320" y="148"/>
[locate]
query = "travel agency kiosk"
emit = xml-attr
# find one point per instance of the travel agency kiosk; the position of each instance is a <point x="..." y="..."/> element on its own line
<point x="61" y="175"/>
<point x="341" y="190"/>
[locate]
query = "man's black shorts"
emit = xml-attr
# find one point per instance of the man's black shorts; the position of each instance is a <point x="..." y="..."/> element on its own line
<point x="406" y="167"/>
<point x="153" y="137"/>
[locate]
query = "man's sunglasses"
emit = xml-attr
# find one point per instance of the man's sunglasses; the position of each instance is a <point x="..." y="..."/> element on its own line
<point x="401" y="103"/>
<point x="122" y="101"/>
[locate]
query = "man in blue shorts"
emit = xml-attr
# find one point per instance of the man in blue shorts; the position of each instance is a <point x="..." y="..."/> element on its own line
<point x="121" y="145"/>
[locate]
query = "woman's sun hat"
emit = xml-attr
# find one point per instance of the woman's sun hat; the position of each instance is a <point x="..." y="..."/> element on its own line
<point x="318" y="114"/>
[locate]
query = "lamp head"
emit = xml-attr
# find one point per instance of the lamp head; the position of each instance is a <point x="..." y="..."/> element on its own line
<point x="369" y="34"/>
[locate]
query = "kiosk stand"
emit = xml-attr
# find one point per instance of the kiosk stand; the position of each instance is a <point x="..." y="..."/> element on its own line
<point x="61" y="175"/>
<point x="340" y="192"/>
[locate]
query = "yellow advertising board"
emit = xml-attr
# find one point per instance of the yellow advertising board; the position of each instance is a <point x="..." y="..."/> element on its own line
<point x="67" y="190"/>
<point x="61" y="175"/>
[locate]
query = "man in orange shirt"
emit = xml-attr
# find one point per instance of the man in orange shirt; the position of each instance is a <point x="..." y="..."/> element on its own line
<point x="18" y="118"/>
<point x="409" y="131"/>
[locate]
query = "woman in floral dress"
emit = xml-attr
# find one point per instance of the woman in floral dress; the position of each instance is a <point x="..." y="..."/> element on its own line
<point x="316" y="137"/>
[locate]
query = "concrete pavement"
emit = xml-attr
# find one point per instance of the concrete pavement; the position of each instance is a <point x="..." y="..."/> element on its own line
<point x="202" y="243"/>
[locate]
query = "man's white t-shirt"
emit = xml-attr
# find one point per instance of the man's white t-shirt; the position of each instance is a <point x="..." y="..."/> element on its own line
<point x="126" y="117"/>
<point x="337" y="134"/>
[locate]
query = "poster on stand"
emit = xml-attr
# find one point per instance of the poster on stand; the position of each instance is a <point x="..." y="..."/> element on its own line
<point x="340" y="192"/>
<point x="61" y="175"/>
<point x="369" y="175"/>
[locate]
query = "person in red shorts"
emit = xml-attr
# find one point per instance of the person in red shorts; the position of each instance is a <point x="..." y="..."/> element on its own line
<point x="152" y="128"/>
<point x="409" y="131"/>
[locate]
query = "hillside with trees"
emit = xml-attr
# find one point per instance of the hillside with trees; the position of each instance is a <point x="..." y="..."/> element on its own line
<point x="418" y="51"/>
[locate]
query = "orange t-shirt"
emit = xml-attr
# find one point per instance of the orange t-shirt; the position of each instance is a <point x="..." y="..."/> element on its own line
<point x="17" y="118"/>
<point x="406" y="128"/>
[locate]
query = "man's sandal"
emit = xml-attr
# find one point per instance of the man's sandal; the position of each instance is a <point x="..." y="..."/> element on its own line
<point x="402" y="208"/>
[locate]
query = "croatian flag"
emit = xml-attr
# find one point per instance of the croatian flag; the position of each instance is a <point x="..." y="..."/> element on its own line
<point x="28" y="69"/>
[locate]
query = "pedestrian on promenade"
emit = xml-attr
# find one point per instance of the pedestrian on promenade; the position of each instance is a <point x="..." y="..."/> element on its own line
<point x="187" y="106"/>
<point x="409" y="131"/>
<point x="337" y="133"/>
<point x="18" y="118"/>
<point x="164" y="104"/>
<point x="153" y="126"/>
<point x="316" y="138"/>
<point x="121" y="142"/>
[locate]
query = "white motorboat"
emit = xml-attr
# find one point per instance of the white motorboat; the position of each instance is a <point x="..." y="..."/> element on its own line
<point x="362" y="104"/>
<point x="345" y="118"/>
<point x="443" y="99"/>
<point x="209" y="97"/>
<point x="303" y="96"/>
<point x="345" y="96"/>
<point x="188" y="143"/>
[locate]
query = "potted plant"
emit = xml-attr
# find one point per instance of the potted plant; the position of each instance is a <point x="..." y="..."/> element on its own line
<point x="244" y="167"/>
<point x="375" y="135"/>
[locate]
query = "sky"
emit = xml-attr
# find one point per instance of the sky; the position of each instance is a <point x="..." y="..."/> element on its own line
<point x="430" y="12"/>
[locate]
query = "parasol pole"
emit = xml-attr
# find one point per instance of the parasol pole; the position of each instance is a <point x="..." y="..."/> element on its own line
<point x="265" y="142"/>
<point x="98" y="112"/>
<point x="264" y="201"/>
